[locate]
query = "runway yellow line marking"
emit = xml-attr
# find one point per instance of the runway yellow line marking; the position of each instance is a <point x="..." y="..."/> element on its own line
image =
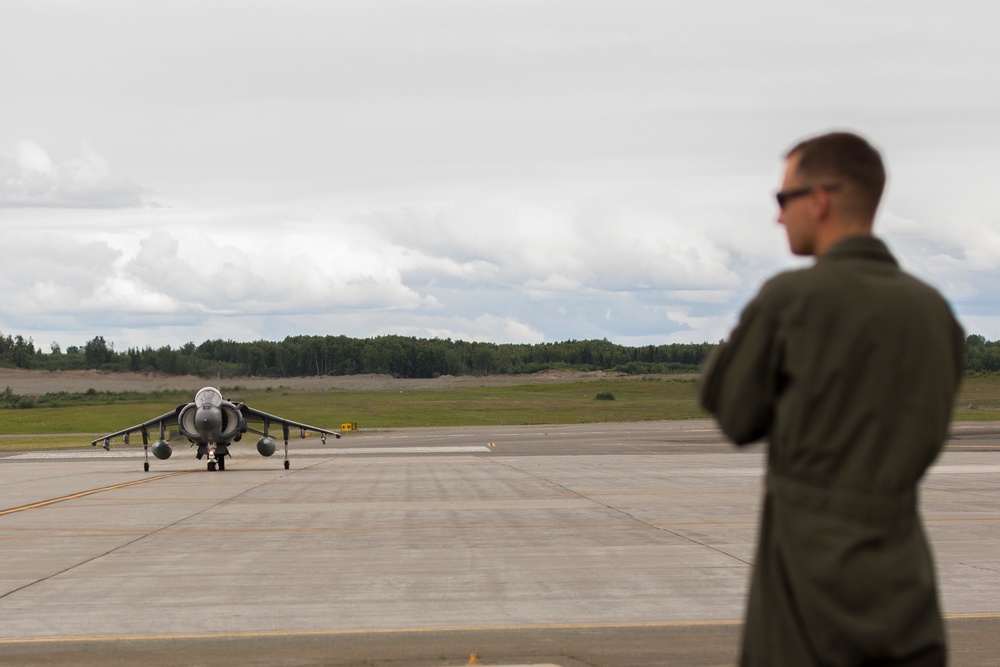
<point x="60" y="533"/>
<point x="91" y="492"/>
<point x="416" y="527"/>
<point x="982" y="448"/>
<point x="265" y="634"/>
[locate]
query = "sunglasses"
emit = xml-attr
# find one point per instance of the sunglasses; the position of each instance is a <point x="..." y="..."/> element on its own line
<point x="785" y="196"/>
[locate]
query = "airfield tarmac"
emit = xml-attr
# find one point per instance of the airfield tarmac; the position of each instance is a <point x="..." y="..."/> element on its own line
<point x="609" y="544"/>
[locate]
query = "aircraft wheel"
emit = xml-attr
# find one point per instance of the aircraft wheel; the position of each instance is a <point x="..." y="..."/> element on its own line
<point x="286" y="465"/>
<point x="222" y="463"/>
<point x="145" y="466"/>
<point x="211" y="466"/>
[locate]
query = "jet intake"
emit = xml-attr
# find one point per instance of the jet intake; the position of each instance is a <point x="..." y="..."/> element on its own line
<point x="186" y="422"/>
<point x="162" y="450"/>
<point x="266" y="446"/>
<point x="232" y="423"/>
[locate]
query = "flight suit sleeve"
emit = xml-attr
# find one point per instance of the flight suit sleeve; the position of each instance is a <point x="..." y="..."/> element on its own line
<point x="738" y="384"/>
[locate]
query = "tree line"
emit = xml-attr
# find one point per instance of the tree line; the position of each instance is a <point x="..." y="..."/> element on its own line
<point x="981" y="355"/>
<point x="399" y="356"/>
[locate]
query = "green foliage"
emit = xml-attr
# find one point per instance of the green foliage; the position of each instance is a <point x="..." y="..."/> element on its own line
<point x="97" y="353"/>
<point x="10" y="400"/>
<point x="59" y="399"/>
<point x="605" y="396"/>
<point x="17" y="352"/>
<point x="399" y="356"/>
<point x="981" y="355"/>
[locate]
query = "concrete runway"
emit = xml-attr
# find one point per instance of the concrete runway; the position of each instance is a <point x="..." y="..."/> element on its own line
<point x="612" y="544"/>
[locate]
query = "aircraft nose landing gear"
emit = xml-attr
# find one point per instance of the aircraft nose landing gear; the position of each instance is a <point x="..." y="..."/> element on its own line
<point x="217" y="458"/>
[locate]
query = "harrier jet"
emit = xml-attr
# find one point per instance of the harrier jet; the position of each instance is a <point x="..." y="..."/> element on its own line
<point x="212" y="423"/>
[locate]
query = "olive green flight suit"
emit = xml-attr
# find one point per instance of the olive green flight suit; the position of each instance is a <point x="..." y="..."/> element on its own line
<point x="849" y="369"/>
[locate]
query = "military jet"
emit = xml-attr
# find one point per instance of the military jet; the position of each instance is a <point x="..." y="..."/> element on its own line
<point x="212" y="423"/>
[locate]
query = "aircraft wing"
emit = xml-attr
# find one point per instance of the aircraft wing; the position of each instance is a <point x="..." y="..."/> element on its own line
<point x="168" y="419"/>
<point x="250" y="414"/>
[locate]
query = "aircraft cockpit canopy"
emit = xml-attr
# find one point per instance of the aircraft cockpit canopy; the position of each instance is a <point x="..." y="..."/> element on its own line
<point x="208" y="397"/>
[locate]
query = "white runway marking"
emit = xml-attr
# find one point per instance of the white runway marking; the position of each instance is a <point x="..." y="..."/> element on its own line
<point x="395" y="450"/>
<point x="48" y="456"/>
<point x="292" y="453"/>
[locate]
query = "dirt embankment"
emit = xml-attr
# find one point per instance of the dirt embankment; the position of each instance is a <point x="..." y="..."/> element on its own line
<point x="35" y="383"/>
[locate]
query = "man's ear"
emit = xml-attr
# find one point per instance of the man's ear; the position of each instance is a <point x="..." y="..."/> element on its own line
<point x="821" y="204"/>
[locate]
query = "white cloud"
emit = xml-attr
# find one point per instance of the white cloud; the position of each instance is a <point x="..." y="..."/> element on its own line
<point x="480" y="170"/>
<point x="29" y="178"/>
<point x="487" y="328"/>
<point x="549" y="250"/>
<point x="961" y="258"/>
<point x="31" y="159"/>
<point x="203" y="273"/>
<point x="51" y="272"/>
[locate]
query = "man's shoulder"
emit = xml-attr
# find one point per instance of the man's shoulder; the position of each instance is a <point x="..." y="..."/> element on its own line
<point x="789" y="282"/>
<point x="865" y="277"/>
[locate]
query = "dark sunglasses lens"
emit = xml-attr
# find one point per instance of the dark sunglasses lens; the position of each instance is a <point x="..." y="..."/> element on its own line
<point x="786" y="196"/>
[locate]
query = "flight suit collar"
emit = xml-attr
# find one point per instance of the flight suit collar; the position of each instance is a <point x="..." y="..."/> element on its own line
<point x="860" y="247"/>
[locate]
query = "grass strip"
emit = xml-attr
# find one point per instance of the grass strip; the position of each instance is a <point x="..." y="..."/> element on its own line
<point x="76" y="422"/>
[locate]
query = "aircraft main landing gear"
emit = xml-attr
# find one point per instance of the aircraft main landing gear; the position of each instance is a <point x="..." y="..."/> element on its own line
<point x="285" y="429"/>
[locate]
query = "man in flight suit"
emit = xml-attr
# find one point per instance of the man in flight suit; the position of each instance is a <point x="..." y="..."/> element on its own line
<point x="849" y="369"/>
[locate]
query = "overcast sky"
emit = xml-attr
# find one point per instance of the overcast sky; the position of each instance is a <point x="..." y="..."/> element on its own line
<point x="506" y="171"/>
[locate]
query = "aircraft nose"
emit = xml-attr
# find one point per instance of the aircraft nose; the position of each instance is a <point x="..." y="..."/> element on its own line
<point x="208" y="420"/>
